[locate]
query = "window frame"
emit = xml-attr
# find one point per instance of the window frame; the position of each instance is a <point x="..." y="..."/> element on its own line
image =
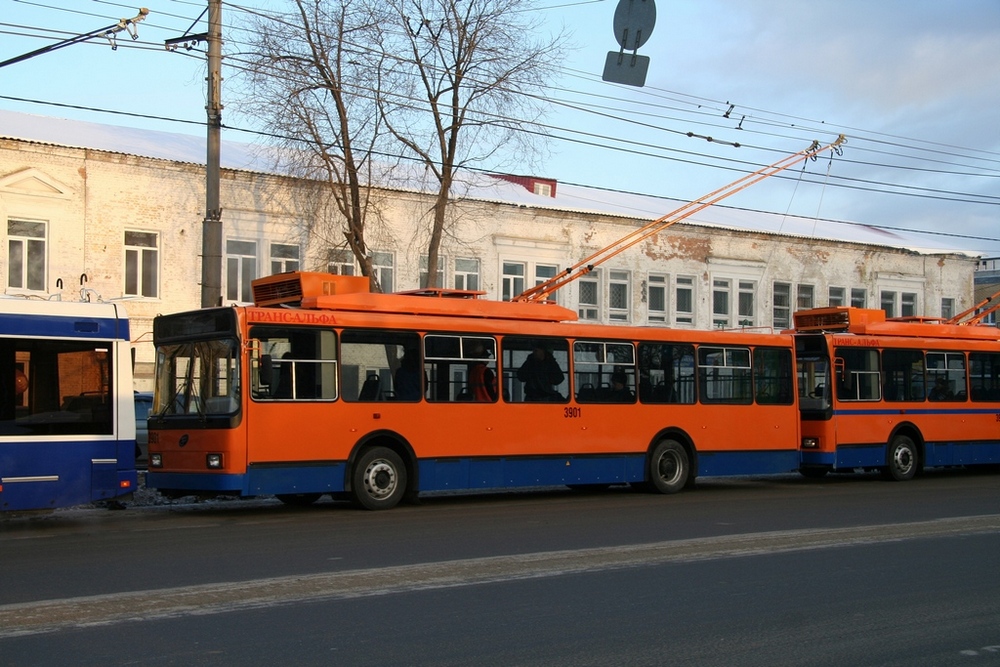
<point x="136" y="285"/>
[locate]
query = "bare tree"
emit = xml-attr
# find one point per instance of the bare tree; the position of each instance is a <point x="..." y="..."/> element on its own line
<point x="459" y="83"/>
<point x="302" y="71"/>
<point x="453" y="83"/>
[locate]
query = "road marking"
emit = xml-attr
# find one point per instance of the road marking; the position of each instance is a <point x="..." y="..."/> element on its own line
<point x="99" y="610"/>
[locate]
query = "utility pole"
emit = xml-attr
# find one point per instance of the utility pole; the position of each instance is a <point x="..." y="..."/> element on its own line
<point x="211" y="240"/>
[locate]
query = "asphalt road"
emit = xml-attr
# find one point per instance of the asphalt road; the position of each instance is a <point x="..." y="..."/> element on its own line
<point x="763" y="571"/>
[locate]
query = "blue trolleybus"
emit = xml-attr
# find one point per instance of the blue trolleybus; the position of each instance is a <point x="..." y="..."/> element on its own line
<point x="67" y="419"/>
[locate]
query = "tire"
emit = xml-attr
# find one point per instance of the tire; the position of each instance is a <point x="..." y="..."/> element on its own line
<point x="298" y="499"/>
<point x="378" y="481"/>
<point x="902" y="459"/>
<point x="669" y="467"/>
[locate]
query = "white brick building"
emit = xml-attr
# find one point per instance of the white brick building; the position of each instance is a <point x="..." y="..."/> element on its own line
<point x="119" y="212"/>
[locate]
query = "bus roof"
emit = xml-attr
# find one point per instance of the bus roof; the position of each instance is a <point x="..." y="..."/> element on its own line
<point x="323" y="291"/>
<point x="870" y="322"/>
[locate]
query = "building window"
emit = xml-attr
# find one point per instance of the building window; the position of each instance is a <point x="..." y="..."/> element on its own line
<point x="382" y="269"/>
<point x="340" y="262"/>
<point x="859" y="297"/>
<point x="543" y="189"/>
<point x="781" y="309"/>
<point x="619" y="286"/>
<point x="837" y="296"/>
<point x="888" y="303"/>
<point x="241" y="268"/>
<point x="466" y="273"/>
<point x="513" y="280"/>
<point x="656" y="298"/>
<point x="908" y="304"/>
<point x="26" y="255"/>
<point x="745" y="302"/>
<point x="284" y="258"/>
<point x="684" y="300"/>
<point x="142" y="264"/>
<point x="805" y="297"/>
<point x="590" y="295"/>
<point x="720" y="303"/>
<point x="439" y="282"/>
<point x="947" y="308"/>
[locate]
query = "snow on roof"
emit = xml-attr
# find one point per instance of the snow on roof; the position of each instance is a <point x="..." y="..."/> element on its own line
<point x="570" y="198"/>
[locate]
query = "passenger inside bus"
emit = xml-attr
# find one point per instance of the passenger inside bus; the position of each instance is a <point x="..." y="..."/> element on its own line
<point x="940" y="391"/>
<point x="619" y="391"/>
<point x="408" y="385"/>
<point x="541" y="374"/>
<point x="482" y="385"/>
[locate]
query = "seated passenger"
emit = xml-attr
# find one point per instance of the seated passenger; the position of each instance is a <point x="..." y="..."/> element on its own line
<point x="619" y="391"/>
<point x="540" y="374"/>
<point x="409" y="379"/>
<point x="941" y="391"/>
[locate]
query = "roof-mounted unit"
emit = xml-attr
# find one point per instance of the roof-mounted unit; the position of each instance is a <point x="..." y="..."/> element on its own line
<point x="288" y="289"/>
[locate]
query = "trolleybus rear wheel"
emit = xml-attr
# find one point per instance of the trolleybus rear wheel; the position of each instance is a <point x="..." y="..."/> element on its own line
<point x="379" y="479"/>
<point x="901" y="459"/>
<point x="669" y="467"/>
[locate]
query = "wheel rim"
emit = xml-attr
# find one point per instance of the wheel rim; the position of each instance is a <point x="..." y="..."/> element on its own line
<point x="902" y="459"/>
<point x="380" y="479"/>
<point x="669" y="467"/>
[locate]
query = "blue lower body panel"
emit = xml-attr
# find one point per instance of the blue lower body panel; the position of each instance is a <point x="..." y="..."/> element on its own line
<point x="52" y="474"/>
<point x="470" y="473"/>
<point x="935" y="454"/>
<point x="961" y="453"/>
<point x="197" y="482"/>
<point x="502" y="472"/>
<point x="720" y="464"/>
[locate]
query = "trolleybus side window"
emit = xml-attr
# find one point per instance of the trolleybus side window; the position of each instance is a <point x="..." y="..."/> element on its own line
<point x="460" y="368"/>
<point x="294" y="363"/>
<point x="666" y="373"/>
<point x="857" y="374"/>
<point x="724" y="375"/>
<point x="984" y="376"/>
<point x="772" y="376"/>
<point x="380" y="365"/>
<point x="946" y="376"/>
<point x="535" y="370"/>
<point x="903" y="375"/>
<point x="55" y="387"/>
<point x="604" y="372"/>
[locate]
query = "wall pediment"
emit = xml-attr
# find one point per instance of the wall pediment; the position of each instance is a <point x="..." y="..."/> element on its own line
<point x="34" y="182"/>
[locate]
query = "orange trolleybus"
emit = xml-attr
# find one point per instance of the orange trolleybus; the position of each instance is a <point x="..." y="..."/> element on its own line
<point x="323" y="387"/>
<point x="896" y="395"/>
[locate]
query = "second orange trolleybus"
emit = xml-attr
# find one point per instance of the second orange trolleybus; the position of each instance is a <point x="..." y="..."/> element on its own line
<point x="896" y="395"/>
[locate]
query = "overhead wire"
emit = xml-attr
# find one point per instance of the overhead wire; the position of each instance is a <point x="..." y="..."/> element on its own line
<point x="953" y="196"/>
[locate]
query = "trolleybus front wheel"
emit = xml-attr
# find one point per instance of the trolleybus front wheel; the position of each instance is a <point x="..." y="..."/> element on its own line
<point x="379" y="479"/>
<point x="669" y="467"/>
<point x="901" y="459"/>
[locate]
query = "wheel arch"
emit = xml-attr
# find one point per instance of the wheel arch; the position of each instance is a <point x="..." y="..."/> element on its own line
<point x="390" y="440"/>
<point x="912" y="431"/>
<point x="686" y="441"/>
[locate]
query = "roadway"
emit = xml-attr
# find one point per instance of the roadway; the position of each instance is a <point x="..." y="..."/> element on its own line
<point x="755" y="571"/>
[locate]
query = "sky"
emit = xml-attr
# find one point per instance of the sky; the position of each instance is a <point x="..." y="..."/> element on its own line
<point x="914" y="86"/>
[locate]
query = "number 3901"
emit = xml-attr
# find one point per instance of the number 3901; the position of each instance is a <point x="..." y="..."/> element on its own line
<point x="572" y="413"/>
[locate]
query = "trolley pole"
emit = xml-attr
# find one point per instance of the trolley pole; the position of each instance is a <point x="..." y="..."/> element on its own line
<point x="211" y="241"/>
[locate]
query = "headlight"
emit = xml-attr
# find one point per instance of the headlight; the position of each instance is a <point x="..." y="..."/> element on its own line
<point x="810" y="443"/>
<point x="156" y="460"/>
<point x="213" y="460"/>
